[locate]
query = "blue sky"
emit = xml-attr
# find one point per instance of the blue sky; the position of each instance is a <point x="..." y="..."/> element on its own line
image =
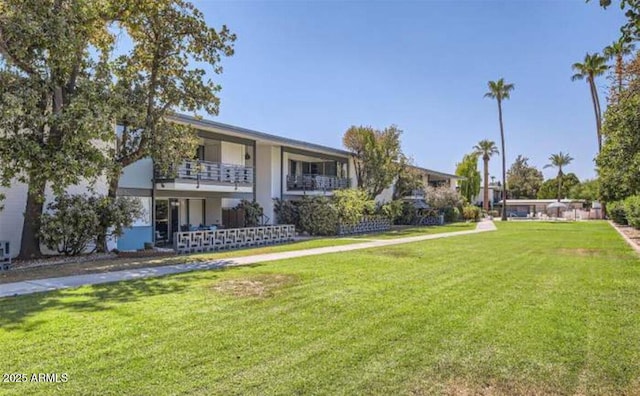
<point x="309" y="70"/>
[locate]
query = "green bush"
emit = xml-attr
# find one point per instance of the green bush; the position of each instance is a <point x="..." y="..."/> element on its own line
<point x="72" y="222"/>
<point x="352" y="205"/>
<point x="318" y="216"/>
<point x="408" y="214"/>
<point x="494" y="213"/>
<point x="471" y="212"/>
<point x="451" y="214"/>
<point x="252" y="212"/>
<point x="392" y="210"/>
<point x="69" y="225"/>
<point x="114" y="216"/>
<point x="617" y="212"/>
<point x="632" y="210"/>
<point x="287" y="212"/>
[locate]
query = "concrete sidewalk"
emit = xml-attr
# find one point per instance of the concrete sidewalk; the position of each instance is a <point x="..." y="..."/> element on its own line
<point x="43" y="285"/>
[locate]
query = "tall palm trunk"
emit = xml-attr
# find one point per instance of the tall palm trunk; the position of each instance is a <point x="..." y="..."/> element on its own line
<point x="619" y="72"/>
<point x="559" y="190"/>
<point x="559" y="186"/>
<point x="596" y="110"/>
<point x="485" y="200"/>
<point x="504" y="164"/>
<point x="30" y="243"/>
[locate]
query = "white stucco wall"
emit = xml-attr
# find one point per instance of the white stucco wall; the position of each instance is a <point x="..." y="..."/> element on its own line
<point x="213" y="210"/>
<point x="268" y="177"/>
<point x="196" y="213"/>
<point x="386" y="195"/>
<point x="137" y="175"/>
<point x="232" y="153"/>
<point x="230" y="202"/>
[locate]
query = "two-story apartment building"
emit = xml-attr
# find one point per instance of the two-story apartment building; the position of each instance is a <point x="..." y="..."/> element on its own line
<point x="231" y="164"/>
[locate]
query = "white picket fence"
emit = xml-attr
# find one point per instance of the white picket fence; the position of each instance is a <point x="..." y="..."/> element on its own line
<point x="233" y="238"/>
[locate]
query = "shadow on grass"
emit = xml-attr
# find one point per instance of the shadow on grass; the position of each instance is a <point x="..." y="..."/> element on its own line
<point x="15" y="311"/>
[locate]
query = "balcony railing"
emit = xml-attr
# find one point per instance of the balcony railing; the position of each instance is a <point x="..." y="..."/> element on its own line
<point x="316" y="183"/>
<point x="205" y="171"/>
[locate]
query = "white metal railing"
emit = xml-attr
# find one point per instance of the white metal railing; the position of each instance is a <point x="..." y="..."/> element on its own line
<point x="210" y="171"/>
<point x="233" y="238"/>
<point x="316" y="183"/>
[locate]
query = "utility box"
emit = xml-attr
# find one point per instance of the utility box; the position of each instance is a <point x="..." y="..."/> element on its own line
<point x="5" y="255"/>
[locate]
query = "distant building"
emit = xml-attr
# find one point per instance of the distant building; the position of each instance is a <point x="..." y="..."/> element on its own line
<point x="533" y="207"/>
<point x="495" y="195"/>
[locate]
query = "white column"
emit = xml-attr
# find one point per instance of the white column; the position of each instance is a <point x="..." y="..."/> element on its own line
<point x="268" y="177"/>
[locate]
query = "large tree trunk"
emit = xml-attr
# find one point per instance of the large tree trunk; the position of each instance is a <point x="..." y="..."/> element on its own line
<point x="504" y="165"/>
<point x="30" y="243"/>
<point x="485" y="198"/>
<point x="101" y="239"/>
<point x="596" y="110"/>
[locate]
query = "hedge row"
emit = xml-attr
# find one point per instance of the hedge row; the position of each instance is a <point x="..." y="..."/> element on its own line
<point x="626" y="212"/>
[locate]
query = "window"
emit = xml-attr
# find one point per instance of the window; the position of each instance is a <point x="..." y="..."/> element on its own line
<point x="200" y="153"/>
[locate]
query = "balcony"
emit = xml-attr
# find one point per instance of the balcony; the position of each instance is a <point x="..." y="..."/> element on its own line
<point x="316" y="183"/>
<point x="207" y="176"/>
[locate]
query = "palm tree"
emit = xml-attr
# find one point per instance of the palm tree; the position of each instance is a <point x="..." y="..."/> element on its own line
<point x="558" y="161"/>
<point x="487" y="149"/>
<point x="499" y="90"/>
<point x="592" y="67"/>
<point x="617" y="50"/>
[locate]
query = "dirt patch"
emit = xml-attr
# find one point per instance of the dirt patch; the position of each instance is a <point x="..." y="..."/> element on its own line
<point x="395" y="253"/>
<point x="632" y="234"/>
<point x="580" y="252"/>
<point x="258" y="286"/>
<point x="456" y="387"/>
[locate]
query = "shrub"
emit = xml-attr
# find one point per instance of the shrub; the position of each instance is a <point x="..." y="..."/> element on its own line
<point x="318" y="216"/>
<point x="494" y="213"/>
<point x="617" y="212"/>
<point x="73" y="222"/>
<point x="252" y="212"/>
<point x="287" y="212"/>
<point x="352" y="205"/>
<point x="451" y="214"/>
<point x="471" y="212"/>
<point x="632" y="210"/>
<point x="443" y="197"/>
<point x="114" y="215"/>
<point x="408" y="215"/>
<point x="392" y="210"/>
<point x="70" y="224"/>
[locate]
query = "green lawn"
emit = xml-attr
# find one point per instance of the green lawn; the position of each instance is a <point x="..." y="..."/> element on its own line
<point x="417" y="231"/>
<point x="533" y="308"/>
<point x="118" y="264"/>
